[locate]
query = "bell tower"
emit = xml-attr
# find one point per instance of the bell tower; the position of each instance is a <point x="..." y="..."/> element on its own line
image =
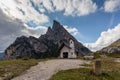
<point x="71" y="44"/>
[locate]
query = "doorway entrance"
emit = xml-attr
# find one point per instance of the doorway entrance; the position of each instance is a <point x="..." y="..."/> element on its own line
<point x="65" y="54"/>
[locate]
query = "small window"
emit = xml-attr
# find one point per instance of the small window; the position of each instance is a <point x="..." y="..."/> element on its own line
<point x="71" y="42"/>
<point x="71" y="53"/>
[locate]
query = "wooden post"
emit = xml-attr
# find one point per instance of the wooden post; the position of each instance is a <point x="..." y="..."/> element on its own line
<point x="97" y="67"/>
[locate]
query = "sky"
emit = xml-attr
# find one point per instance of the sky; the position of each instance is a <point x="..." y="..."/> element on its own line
<point x="95" y="23"/>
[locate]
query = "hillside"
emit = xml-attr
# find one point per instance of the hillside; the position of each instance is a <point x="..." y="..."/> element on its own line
<point x="115" y="44"/>
<point x="46" y="45"/>
<point x="113" y="48"/>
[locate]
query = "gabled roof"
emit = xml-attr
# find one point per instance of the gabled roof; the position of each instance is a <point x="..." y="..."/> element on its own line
<point x="62" y="45"/>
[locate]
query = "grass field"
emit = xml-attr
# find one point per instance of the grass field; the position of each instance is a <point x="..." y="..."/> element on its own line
<point x="110" y="71"/>
<point x="13" y="68"/>
<point x="114" y="55"/>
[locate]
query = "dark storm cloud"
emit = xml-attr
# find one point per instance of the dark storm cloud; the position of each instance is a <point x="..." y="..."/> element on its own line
<point x="9" y="30"/>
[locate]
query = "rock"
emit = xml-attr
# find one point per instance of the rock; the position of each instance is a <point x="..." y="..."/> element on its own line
<point x="46" y="45"/>
<point x="59" y="35"/>
<point x="88" y="57"/>
<point x="21" y="48"/>
<point x="111" y="50"/>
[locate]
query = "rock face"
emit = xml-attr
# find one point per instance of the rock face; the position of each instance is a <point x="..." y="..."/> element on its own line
<point x="113" y="48"/>
<point x="46" y="45"/>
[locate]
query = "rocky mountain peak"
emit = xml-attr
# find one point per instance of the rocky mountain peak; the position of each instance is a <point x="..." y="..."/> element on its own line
<point x="21" y="39"/>
<point x="56" y="25"/>
<point x="49" y="31"/>
<point x="46" y="45"/>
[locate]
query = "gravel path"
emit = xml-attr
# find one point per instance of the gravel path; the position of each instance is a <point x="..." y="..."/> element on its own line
<point x="44" y="70"/>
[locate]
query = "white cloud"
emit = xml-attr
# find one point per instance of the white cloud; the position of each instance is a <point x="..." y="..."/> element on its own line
<point x="59" y="5"/>
<point x="48" y="5"/>
<point x="72" y="30"/>
<point x="36" y="32"/>
<point x="75" y="7"/>
<point x="105" y="39"/>
<point x="69" y="7"/>
<point x="34" y="10"/>
<point x="80" y="7"/>
<point x="23" y="10"/>
<point x="111" y="5"/>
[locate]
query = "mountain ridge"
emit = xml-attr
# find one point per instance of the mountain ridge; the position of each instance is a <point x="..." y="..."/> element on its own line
<point x="46" y="45"/>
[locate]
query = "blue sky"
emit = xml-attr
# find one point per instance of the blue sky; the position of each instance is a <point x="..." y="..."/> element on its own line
<point x="95" y="23"/>
<point x="89" y="26"/>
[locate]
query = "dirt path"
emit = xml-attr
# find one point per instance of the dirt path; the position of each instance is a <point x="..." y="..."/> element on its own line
<point x="44" y="70"/>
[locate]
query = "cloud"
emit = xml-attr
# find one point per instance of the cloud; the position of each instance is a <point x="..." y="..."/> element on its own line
<point x="34" y="10"/>
<point x="69" y="7"/>
<point x="105" y="39"/>
<point x="11" y="29"/>
<point x="36" y="32"/>
<point x="74" y="31"/>
<point x="22" y="10"/>
<point x="111" y="5"/>
<point x="80" y="7"/>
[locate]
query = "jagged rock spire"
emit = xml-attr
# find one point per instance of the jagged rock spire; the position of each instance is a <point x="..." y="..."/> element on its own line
<point x="56" y="25"/>
<point x="49" y="31"/>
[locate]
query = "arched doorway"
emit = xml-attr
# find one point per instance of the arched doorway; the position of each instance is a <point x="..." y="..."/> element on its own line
<point x="65" y="54"/>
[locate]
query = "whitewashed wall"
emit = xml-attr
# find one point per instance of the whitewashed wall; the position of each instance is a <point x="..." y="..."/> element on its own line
<point x="71" y="53"/>
<point x="64" y="49"/>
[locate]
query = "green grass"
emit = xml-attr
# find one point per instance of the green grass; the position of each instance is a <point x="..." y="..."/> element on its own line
<point x="80" y="57"/>
<point x="83" y="74"/>
<point x="96" y="55"/>
<point x="110" y="71"/>
<point x="86" y="65"/>
<point x="99" y="54"/>
<point x="114" y="55"/>
<point x="13" y="68"/>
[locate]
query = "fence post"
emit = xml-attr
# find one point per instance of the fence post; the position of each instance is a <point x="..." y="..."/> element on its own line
<point x="97" y="67"/>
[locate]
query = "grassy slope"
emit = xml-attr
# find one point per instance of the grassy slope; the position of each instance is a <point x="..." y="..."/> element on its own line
<point x="116" y="43"/>
<point x="110" y="69"/>
<point x="114" y="55"/>
<point x="13" y="68"/>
